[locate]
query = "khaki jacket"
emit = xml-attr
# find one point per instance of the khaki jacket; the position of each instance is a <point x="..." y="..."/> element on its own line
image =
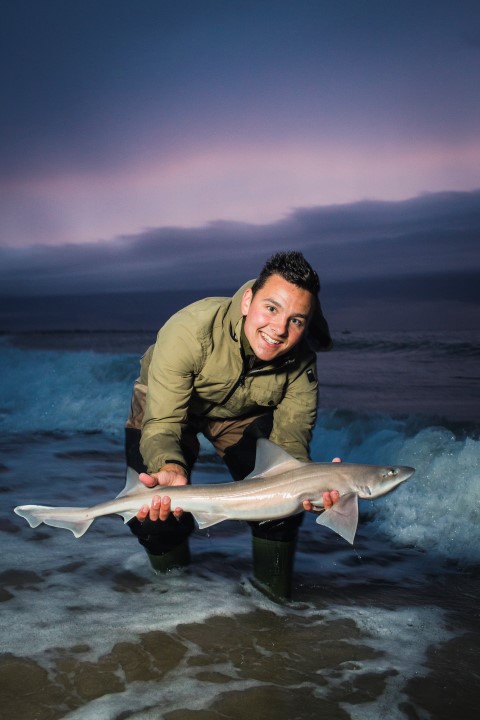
<point x="196" y="371"/>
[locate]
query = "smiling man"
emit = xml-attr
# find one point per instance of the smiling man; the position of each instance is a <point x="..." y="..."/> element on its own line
<point x="235" y="369"/>
<point x="276" y="317"/>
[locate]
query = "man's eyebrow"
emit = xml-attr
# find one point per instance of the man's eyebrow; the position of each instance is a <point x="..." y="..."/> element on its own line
<point x="279" y="305"/>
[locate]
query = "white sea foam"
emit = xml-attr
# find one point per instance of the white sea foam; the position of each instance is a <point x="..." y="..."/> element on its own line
<point x="404" y="636"/>
<point x="438" y="509"/>
<point x="44" y="390"/>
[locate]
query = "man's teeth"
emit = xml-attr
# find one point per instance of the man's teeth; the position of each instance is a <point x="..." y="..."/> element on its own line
<point x="270" y="340"/>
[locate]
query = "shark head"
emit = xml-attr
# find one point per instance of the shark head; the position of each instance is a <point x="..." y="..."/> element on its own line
<point x="381" y="480"/>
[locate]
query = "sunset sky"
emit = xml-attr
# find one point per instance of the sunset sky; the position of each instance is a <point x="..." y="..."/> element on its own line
<point x="179" y="137"/>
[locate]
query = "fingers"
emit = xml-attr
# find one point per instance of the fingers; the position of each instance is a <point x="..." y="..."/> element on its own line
<point x="330" y="498"/>
<point x="142" y="514"/>
<point x="148" y="480"/>
<point x="163" y="477"/>
<point x="160" y="509"/>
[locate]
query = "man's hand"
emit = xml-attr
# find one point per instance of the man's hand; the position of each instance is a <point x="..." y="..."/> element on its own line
<point x="329" y="498"/>
<point x="160" y="508"/>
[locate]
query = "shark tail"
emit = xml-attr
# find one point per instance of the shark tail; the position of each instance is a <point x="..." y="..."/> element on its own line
<point x="66" y="518"/>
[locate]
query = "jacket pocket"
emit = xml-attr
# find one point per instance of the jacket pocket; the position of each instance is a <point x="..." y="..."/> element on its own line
<point x="266" y="391"/>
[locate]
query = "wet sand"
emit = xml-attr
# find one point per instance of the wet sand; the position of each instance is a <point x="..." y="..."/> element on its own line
<point x="264" y="664"/>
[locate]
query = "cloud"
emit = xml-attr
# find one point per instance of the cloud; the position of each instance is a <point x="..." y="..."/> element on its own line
<point x="363" y="241"/>
<point x="241" y="182"/>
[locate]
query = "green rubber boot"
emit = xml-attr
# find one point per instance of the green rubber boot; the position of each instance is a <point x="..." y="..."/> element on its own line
<point x="273" y="567"/>
<point x="177" y="558"/>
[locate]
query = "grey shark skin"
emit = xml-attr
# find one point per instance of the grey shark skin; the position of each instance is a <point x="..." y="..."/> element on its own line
<point x="276" y="488"/>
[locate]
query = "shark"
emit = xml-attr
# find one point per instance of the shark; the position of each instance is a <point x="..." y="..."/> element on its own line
<point x="276" y="488"/>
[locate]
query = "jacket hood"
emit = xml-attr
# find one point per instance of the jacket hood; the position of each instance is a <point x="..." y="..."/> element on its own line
<point x="318" y="334"/>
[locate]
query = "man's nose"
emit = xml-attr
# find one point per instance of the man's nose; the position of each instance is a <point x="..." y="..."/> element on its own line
<point x="281" y="327"/>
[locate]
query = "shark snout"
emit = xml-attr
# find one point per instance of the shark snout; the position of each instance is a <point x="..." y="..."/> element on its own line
<point x="405" y="472"/>
<point x="400" y="473"/>
<point x="392" y="477"/>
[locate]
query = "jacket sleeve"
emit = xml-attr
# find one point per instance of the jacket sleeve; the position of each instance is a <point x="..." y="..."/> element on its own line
<point x="174" y="362"/>
<point x="294" y="417"/>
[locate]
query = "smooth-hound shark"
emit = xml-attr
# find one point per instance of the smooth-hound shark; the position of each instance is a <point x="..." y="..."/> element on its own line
<point x="276" y="488"/>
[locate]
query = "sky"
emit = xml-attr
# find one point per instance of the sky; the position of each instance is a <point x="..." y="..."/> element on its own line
<point x="174" y="144"/>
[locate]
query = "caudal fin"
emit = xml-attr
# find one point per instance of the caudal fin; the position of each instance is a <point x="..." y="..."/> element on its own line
<point x="67" y="518"/>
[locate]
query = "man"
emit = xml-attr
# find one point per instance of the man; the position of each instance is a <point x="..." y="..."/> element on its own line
<point x="234" y="369"/>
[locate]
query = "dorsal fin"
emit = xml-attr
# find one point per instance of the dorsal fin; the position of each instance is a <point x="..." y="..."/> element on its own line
<point x="271" y="460"/>
<point x="132" y="484"/>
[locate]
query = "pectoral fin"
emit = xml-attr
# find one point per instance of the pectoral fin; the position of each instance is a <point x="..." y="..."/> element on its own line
<point x="127" y="516"/>
<point x="342" y="517"/>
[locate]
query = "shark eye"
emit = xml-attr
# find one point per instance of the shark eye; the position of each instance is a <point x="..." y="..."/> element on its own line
<point x="392" y="472"/>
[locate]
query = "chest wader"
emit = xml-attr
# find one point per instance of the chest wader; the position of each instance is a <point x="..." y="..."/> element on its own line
<point x="273" y="541"/>
<point x="165" y="542"/>
<point x="273" y="562"/>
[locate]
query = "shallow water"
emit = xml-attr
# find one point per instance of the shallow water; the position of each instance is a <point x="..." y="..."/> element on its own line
<point x="373" y="630"/>
<point x="387" y="628"/>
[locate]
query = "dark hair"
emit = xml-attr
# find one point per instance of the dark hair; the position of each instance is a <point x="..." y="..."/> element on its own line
<point x="292" y="267"/>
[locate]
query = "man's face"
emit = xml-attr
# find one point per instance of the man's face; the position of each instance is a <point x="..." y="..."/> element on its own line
<point x="276" y="317"/>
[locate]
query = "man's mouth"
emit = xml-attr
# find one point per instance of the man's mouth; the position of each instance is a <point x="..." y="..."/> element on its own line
<point x="269" y="340"/>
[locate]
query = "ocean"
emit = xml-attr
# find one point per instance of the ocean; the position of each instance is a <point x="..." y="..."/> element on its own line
<point x="388" y="627"/>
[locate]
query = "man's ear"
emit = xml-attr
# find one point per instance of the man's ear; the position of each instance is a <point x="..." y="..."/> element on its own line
<point x="246" y="301"/>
